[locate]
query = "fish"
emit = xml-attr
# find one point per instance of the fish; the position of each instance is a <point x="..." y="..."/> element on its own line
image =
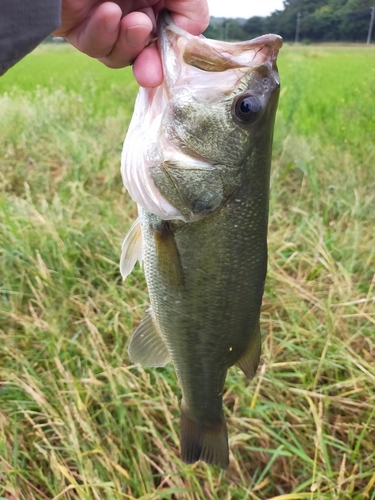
<point x="196" y="160"/>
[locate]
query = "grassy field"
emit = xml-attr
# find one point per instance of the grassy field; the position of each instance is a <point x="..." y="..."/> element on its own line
<point x="77" y="420"/>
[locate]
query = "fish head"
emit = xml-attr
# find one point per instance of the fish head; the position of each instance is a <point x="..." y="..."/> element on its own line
<point x="217" y="99"/>
<point x="218" y="96"/>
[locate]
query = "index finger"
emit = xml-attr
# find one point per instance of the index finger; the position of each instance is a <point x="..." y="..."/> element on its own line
<point x="190" y="15"/>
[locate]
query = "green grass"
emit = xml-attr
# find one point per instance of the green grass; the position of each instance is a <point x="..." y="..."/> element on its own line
<point x="77" y="420"/>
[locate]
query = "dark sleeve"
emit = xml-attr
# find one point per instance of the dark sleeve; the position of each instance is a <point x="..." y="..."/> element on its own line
<point x="23" y="25"/>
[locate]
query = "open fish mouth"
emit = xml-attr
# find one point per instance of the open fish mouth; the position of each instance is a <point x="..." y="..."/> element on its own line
<point x="178" y="47"/>
<point x="203" y="64"/>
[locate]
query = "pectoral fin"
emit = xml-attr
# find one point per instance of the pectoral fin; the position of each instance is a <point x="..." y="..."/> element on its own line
<point x="131" y="249"/>
<point x="250" y="360"/>
<point x="146" y="345"/>
<point x="168" y="256"/>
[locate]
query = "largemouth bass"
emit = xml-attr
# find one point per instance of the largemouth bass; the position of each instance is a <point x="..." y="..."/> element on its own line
<point x="196" y="159"/>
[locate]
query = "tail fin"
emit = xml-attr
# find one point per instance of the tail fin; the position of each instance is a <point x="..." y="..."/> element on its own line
<point x="208" y="443"/>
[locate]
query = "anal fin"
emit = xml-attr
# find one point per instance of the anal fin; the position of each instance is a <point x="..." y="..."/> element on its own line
<point x="249" y="362"/>
<point x="146" y="345"/>
<point x="131" y="249"/>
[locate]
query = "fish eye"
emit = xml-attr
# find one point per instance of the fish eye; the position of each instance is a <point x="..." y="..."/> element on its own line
<point x="247" y="108"/>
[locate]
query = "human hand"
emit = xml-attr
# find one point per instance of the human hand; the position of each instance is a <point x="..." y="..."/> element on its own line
<point x="117" y="33"/>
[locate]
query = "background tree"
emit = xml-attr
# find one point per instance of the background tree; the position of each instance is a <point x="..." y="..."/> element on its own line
<point x="255" y="26"/>
<point x="321" y="21"/>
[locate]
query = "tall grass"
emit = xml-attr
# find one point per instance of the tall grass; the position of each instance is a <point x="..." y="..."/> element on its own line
<point x="77" y="420"/>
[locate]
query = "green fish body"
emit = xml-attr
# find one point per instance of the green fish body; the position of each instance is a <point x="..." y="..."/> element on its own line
<point x="197" y="161"/>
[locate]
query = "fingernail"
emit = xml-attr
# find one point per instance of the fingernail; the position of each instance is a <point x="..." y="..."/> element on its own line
<point x="135" y="36"/>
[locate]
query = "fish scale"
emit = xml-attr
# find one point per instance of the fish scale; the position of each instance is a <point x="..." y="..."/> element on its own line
<point x="204" y="229"/>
